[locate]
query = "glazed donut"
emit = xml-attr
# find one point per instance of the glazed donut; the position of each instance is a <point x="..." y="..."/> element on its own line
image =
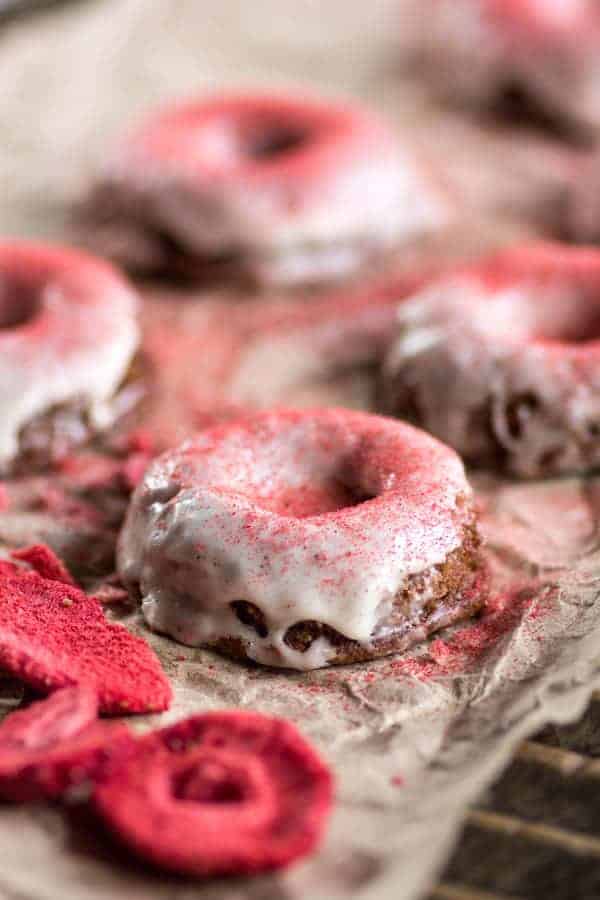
<point x="545" y="51"/>
<point x="303" y="538"/>
<point x="502" y="361"/>
<point x="283" y="190"/>
<point x="68" y="333"/>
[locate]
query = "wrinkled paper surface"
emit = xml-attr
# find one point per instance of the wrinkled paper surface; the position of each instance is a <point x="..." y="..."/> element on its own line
<point x="412" y="740"/>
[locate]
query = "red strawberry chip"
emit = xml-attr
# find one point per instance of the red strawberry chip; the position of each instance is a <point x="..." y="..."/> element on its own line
<point x="219" y="793"/>
<point x="45" y="562"/>
<point x="52" y="635"/>
<point x="56" y="744"/>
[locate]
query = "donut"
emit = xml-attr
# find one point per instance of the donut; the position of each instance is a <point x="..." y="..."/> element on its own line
<point x="68" y="334"/>
<point x="300" y="538"/>
<point x="502" y="360"/>
<point x="542" y="51"/>
<point x="282" y="190"/>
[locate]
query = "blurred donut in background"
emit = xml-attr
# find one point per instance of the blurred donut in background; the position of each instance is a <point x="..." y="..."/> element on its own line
<point x="280" y="189"/>
<point x="68" y="337"/>
<point x="501" y="360"/>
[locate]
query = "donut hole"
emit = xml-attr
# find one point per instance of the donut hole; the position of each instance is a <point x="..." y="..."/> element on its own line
<point x="19" y="303"/>
<point x="297" y="470"/>
<point x="209" y="781"/>
<point x="272" y="141"/>
<point x="254" y="139"/>
<point x="313" y="499"/>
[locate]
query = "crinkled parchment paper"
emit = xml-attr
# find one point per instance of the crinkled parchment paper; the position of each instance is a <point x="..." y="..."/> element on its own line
<point x="414" y="739"/>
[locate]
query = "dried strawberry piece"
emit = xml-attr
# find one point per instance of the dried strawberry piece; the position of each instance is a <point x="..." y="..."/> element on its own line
<point x="219" y="793"/>
<point x="52" y="635"/>
<point x="45" y="562"/>
<point x="56" y="744"/>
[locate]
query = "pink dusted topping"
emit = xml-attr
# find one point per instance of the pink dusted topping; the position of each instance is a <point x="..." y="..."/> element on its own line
<point x="469" y="646"/>
<point x="224" y="793"/>
<point x="273" y="140"/>
<point x="284" y="189"/>
<point x="4" y="498"/>
<point x="52" y="635"/>
<point x="330" y="509"/>
<point x="45" y="562"/>
<point x="67" y="334"/>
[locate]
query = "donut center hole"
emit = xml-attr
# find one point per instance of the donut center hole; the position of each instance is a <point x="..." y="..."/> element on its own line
<point x="19" y="304"/>
<point x="209" y="781"/>
<point x="270" y="141"/>
<point x="275" y="142"/>
<point x="297" y="469"/>
<point x="303" y="501"/>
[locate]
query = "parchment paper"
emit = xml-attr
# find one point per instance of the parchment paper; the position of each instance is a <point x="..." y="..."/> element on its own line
<point x="413" y="740"/>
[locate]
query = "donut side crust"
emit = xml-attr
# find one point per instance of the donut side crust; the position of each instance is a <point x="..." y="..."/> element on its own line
<point x="149" y="251"/>
<point x="58" y="431"/>
<point x="455" y="590"/>
<point x="508" y="450"/>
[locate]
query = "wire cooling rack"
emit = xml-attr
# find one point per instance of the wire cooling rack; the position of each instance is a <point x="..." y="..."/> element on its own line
<point x="536" y="833"/>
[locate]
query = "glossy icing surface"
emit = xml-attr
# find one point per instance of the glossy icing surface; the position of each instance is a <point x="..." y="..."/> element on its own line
<point x="314" y="515"/>
<point x="67" y="331"/>
<point x="297" y="187"/>
<point x="506" y="357"/>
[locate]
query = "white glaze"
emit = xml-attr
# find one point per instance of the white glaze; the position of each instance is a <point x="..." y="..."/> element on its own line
<point x="79" y="345"/>
<point x="195" y="540"/>
<point x="382" y="197"/>
<point x="462" y="348"/>
<point x="378" y="196"/>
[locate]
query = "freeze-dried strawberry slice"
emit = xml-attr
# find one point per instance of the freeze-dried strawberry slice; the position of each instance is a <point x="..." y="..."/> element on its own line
<point x="219" y="793"/>
<point x="56" y="744"/>
<point x="45" y="562"/>
<point x="52" y="635"/>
